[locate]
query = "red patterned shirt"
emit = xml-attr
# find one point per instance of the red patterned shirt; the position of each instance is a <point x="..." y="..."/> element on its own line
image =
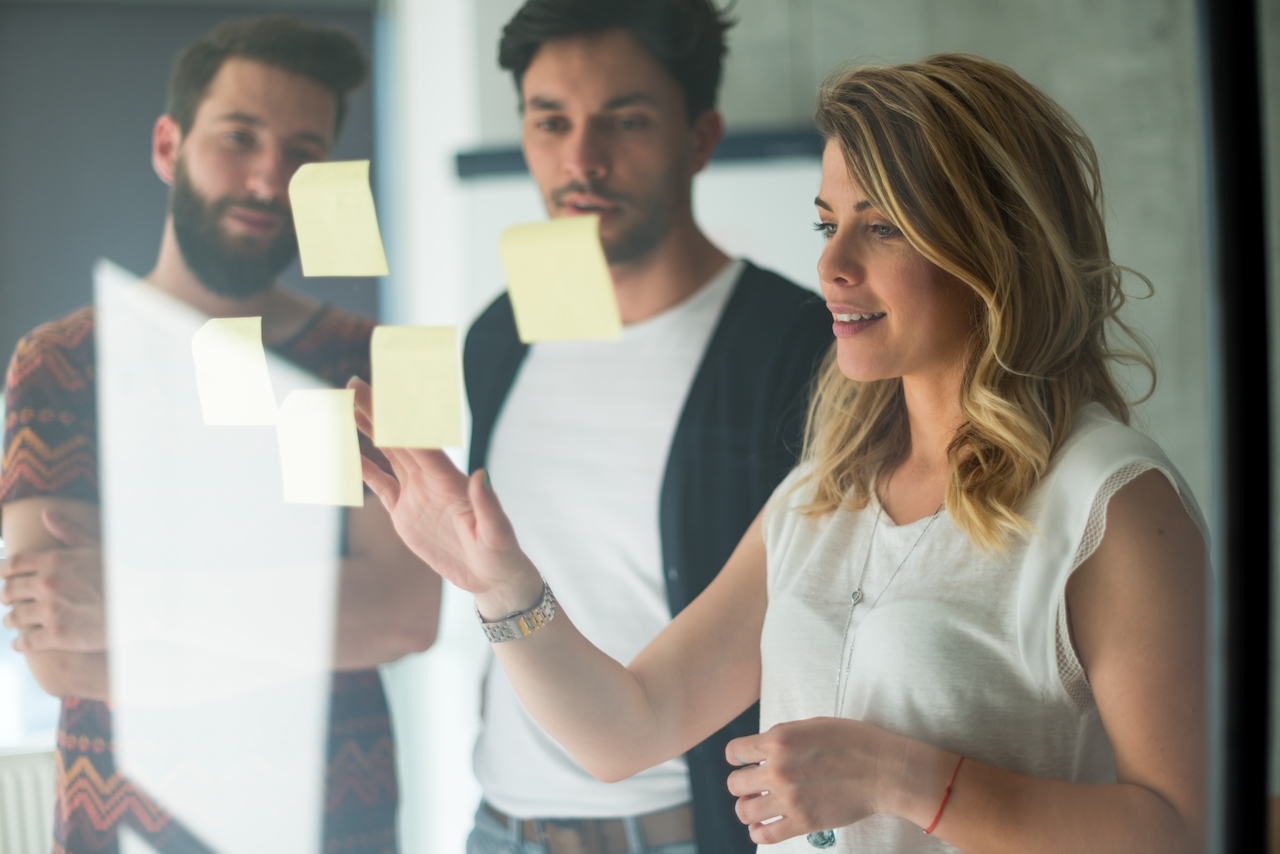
<point x="50" y="448"/>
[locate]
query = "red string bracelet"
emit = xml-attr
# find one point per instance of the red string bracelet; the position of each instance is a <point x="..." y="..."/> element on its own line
<point x="945" y="797"/>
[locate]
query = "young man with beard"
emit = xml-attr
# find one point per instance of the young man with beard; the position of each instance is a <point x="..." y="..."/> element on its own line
<point x="630" y="468"/>
<point x="248" y="104"/>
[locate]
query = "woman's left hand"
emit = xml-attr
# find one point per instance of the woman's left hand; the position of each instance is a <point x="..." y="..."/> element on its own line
<point x="817" y="774"/>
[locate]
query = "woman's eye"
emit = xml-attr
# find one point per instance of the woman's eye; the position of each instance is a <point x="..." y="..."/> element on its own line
<point x="881" y="230"/>
<point x="826" y="229"/>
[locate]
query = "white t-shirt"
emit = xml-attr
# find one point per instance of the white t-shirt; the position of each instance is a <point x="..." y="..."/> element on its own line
<point x="962" y="650"/>
<point x="578" y="456"/>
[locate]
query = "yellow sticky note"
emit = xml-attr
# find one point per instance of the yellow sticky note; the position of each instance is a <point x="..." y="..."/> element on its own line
<point x="417" y="402"/>
<point x="231" y="373"/>
<point x="559" y="280"/>
<point x="335" y="219"/>
<point x="319" y="451"/>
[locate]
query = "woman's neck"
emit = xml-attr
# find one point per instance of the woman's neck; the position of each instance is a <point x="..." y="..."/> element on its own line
<point x="917" y="486"/>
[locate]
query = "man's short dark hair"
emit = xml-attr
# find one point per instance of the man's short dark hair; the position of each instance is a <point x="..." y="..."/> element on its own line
<point x="331" y="57"/>
<point x="686" y="37"/>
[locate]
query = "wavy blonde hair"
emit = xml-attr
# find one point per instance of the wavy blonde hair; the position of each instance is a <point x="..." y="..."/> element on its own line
<point x="995" y="184"/>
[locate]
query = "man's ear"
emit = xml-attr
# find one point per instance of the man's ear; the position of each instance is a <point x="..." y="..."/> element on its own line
<point x="708" y="130"/>
<point x="166" y="142"/>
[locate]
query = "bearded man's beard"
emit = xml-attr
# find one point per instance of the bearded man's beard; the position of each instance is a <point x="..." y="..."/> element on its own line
<point x="220" y="265"/>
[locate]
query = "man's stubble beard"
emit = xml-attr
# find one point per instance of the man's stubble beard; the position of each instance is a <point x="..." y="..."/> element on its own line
<point x="221" y="267"/>
<point x="643" y="236"/>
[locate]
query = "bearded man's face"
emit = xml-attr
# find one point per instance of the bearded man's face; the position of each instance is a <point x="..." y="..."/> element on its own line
<point x="228" y="266"/>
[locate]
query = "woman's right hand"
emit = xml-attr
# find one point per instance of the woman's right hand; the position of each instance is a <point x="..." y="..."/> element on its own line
<point x="453" y="523"/>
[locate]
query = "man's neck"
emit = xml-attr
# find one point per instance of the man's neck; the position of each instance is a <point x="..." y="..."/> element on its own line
<point x="684" y="262"/>
<point x="283" y="312"/>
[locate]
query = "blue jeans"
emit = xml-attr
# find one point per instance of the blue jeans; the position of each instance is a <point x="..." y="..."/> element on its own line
<point x="490" y="837"/>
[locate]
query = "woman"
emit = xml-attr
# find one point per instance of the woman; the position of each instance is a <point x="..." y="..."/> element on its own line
<point x="976" y="607"/>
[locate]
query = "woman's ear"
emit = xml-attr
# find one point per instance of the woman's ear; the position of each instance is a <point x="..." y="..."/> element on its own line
<point x="166" y="142"/>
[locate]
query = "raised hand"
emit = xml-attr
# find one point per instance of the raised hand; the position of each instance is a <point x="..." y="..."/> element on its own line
<point x="453" y="523"/>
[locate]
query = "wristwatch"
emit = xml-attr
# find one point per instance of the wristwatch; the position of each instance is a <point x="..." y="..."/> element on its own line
<point x="524" y="623"/>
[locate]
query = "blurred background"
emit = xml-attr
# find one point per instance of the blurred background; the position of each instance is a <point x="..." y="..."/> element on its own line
<point x="82" y="83"/>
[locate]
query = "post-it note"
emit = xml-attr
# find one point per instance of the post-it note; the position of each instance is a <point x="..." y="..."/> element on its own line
<point x="231" y="373"/>
<point x="336" y="223"/>
<point x="417" y="402"/>
<point x="559" y="280"/>
<point x="319" y="451"/>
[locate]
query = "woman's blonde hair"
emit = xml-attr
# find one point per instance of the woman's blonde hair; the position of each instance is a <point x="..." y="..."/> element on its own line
<point x="995" y="184"/>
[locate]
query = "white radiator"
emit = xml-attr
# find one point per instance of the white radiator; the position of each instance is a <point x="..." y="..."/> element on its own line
<point x="26" y="801"/>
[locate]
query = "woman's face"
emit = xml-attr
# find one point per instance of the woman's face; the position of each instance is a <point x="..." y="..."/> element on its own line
<point x="895" y="314"/>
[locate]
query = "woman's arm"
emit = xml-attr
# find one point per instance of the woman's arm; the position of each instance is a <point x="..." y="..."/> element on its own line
<point x="1138" y="617"/>
<point x="699" y="673"/>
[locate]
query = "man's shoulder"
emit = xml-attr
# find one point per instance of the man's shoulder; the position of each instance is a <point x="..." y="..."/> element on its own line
<point x="496" y="323"/>
<point x="333" y="345"/>
<point x="333" y="324"/>
<point x="60" y="352"/>
<point x="764" y="290"/>
<point x="766" y="306"/>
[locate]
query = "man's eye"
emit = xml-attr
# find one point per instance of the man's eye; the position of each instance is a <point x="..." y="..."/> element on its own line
<point x="239" y="138"/>
<point x="551" y="125"/>
<point x="632" y="123"/>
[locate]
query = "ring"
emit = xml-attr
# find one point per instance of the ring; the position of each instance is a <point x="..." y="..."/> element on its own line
<point x="822" y="838"/>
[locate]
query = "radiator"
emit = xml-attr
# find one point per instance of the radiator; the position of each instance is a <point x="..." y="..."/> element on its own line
<point x="26" y="801"/>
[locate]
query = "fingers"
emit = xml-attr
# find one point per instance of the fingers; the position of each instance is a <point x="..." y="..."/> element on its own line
<point x="17" y="565"/>
<point x="774" y="831"/>
<point x="364" y="402"/>
<point x="493" y="528"/>
<point x="386" y="487"/>
<point x="24" y="615"/>
<point x="751" y="780"/>
<point x="66" y="531"/>
<point x="17" y="589"/>
<point x="32" y="640"/>
<point x="748" y="750"/>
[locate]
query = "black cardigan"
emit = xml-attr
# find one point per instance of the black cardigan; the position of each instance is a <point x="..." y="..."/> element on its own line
<point x="738" y="435"/>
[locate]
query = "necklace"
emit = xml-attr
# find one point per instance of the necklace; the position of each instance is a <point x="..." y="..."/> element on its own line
<point x="827" y="838"/>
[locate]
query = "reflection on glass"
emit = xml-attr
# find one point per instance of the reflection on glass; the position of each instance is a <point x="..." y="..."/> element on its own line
<point x="220" y="595"/>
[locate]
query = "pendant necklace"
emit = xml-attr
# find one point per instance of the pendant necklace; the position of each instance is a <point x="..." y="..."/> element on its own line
<point x="827" y="838"/>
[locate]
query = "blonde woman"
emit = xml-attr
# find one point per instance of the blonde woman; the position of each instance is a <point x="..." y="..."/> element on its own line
<point x="974" y="614"/>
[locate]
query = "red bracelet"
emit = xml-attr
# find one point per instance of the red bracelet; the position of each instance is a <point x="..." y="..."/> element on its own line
<point x="945" y="797"/>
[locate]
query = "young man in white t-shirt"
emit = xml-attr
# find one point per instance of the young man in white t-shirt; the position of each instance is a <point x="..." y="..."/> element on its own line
<point x="630" y="468"/>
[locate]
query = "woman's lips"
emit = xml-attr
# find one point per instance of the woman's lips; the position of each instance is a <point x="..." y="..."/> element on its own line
<point x="849" y="323"/>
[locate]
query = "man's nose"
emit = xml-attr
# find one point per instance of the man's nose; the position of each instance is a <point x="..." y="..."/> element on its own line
<point x="269" y="175"/>
<point x="586" y="156"/>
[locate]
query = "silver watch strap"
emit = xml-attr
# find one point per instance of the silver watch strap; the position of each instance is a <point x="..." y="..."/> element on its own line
<point x="524" y="623"/>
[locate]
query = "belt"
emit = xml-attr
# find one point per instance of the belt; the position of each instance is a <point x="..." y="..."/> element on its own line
<point x="601" y="835"/>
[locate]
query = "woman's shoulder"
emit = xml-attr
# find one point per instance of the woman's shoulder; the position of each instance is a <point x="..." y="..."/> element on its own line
<point x="1099" y="450"/>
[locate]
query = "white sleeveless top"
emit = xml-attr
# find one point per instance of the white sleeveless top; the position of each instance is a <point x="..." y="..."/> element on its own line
<point x="964" y="650"/>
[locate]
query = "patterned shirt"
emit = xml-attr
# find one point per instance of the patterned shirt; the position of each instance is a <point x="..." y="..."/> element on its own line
<point x="50" y="449"/>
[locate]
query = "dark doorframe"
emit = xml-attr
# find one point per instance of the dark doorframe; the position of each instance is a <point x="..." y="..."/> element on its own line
<point x="1237" y="253"/>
